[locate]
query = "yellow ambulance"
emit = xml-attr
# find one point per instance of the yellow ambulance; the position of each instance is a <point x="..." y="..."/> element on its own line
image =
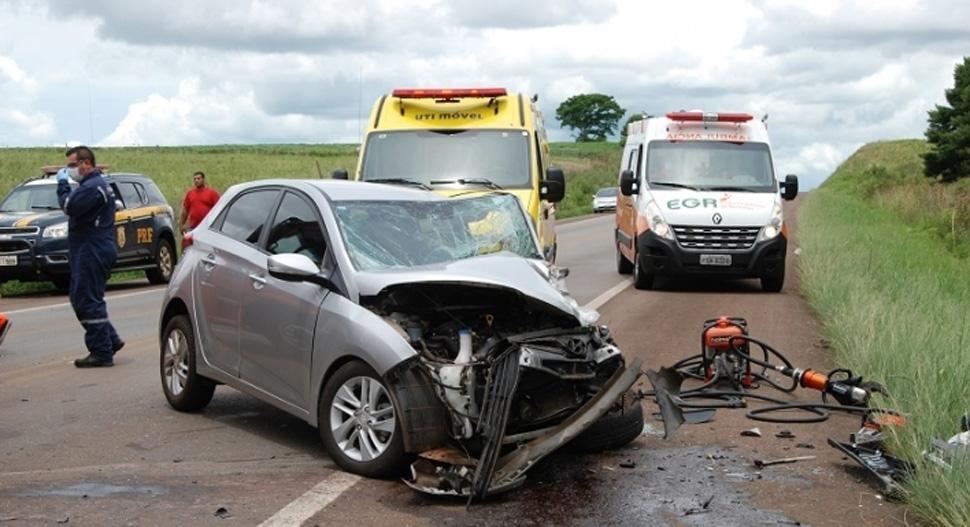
<point x="459" y="141"/>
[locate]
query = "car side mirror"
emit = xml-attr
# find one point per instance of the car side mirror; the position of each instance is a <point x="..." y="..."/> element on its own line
<point x="119" y="205"/>
<point x="340" y="173"/>
<point x="789" y="189"/>
<point x="628" y="183"/>
<point x="553" y="188"/>
<point x="297" y="268"/>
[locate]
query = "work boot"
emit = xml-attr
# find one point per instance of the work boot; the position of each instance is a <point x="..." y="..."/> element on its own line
<point x="116" y="346"/>
<point x="93" y="362"/>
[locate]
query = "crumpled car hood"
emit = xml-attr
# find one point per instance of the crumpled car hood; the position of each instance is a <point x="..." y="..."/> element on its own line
<point x="504" y="271"/>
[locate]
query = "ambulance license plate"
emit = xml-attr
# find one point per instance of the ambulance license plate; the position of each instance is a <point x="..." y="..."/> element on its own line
<point x="715" y="259"/>
<point x="8" y="261"/>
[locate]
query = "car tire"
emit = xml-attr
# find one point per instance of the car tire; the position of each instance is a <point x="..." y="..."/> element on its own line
<point x="62" y="283"/>
<point x="618" y="427"/>
<point x="642" y="279"/>
<point x="773" y="282"/>
<point x="164" y="263"/>
<point x="623" y="266"/>
<point x="369" y="440"/>
<point x="185" y="390"/>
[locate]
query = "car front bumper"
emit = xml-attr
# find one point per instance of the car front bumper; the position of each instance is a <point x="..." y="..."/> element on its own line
<point x="660" y="256"/>
<point x="37" y="260"/>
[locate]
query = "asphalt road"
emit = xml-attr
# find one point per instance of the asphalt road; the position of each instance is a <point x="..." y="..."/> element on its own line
<point x="102" y="447"/>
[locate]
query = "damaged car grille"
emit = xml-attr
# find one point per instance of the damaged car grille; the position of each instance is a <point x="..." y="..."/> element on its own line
<point x="503" y="379"/>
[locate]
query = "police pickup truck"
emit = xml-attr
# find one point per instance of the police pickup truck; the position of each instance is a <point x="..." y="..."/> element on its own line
<point x="33" y="230"/>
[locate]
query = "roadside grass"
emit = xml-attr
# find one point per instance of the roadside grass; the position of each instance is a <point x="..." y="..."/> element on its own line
<point x="588" y="167"/>
<point x="890" y="174"/>
<point x="884" y="266"/>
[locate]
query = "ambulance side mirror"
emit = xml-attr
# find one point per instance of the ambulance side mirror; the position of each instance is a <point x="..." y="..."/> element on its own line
<point x="340" y="173"/>
<point x="628" y="183"/>
<point x="553" y="188"/>
<point x="789" y="189"/>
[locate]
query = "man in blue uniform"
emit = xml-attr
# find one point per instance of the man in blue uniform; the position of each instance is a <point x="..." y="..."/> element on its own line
<point x="92" y="252"/>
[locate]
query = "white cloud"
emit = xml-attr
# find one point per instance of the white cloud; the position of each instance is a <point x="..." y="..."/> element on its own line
<point x="829" y="72"/>
<point x="224" y="113"/>
<point x="19" y="124"/>
<point x="11" y="72"/>
<point x="18" y="128"/>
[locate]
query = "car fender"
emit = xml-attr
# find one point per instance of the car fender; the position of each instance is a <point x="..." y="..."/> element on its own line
<point x="346" y="331"/>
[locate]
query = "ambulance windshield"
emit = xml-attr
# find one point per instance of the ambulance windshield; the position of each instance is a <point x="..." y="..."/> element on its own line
<point x="710" y="165"/>
<point x="498" y="156"/>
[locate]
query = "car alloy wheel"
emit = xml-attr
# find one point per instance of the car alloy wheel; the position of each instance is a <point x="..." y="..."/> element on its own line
<point x="175" y="368"/>
<point x="362" y="419"/>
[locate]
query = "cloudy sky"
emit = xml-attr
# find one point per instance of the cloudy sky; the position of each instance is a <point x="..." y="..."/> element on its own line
<point x="832" y="75"/>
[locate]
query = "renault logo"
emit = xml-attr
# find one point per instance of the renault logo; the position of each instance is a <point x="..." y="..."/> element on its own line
<point x="717" y="218"/>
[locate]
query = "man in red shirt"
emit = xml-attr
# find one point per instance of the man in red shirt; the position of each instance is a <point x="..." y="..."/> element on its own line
<point x="197" y="203"/>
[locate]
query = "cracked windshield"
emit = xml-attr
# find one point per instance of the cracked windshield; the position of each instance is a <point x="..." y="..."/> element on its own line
<point x="399" y="234"/>
<point x="710" y="165"/>
<point x="499" y="157"/>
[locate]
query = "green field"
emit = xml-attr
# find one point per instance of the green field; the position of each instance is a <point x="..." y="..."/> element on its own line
<point x="884" y="267"/>
<point x="588" y="166"/>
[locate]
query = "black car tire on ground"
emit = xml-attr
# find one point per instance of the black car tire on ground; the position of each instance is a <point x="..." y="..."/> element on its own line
<point x="774" y="282"/>
<point x="391" y="462"/>
<point x="623" y="266"/>
<point x="641" y="279"/>
<point x="198" y="390"/>
<point x="164" y="263"/>
<point x="622" y="424"/>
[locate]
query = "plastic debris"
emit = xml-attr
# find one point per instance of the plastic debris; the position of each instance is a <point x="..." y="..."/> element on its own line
<point x="753" y="432"/>
<point x="944" y="454"/>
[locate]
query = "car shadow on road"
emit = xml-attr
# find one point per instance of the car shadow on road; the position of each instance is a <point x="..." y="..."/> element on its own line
<point x="250" y="415"/>
<point x="706" y="285"/>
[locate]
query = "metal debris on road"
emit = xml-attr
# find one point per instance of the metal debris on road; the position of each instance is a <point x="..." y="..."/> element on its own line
<point x="785" y="434"/>
<point x="761" y="463"/>
<point x="222" y="513"/>
<point x="628" y="464"/>
<point x="753" y="432"/>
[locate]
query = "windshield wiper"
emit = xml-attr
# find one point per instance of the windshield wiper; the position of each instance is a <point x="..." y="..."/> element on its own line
<point x="399" y="181"/>
<point x="468" y="181"/>
<point x="733" y="189"/>
<point x="45" y="207"/>
<point x="676" y="185"/>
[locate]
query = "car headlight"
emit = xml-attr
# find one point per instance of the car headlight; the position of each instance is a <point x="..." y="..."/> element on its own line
<point x="58" y="230"/>
<point x="775" y="223"/>
<point x="655" y="221"/>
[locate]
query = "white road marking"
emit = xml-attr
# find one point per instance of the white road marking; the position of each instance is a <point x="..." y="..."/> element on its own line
<point x="67" y="304"/>
<point x="609" y="294"/>
<point x="312" y="501"/>
<point x="328" y="490"/>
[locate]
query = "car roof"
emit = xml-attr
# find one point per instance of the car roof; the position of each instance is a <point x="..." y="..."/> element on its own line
<point x="339" y="190"/>
<point x="42" y="180"/>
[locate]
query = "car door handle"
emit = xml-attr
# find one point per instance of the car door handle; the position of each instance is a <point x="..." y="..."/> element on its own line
<point x="209" y="261"/>
<point x="258" y="281"/>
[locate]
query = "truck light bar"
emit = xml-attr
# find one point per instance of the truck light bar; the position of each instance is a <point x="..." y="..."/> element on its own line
<point x="447" y="93"/>
<point x="709" y="117"/>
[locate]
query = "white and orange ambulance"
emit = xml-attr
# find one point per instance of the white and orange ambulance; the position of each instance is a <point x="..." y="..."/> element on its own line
<point x="699" y="196"/>
<point x="461" y="140"/>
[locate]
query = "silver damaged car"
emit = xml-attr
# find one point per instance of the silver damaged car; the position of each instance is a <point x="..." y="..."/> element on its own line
<point x="408" y="327"/>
